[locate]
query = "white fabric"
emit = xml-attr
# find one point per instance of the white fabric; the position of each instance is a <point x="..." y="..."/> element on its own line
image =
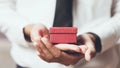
<point x="98" y="16"/>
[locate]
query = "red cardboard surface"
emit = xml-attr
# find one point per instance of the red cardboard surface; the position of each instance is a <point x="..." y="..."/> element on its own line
<point x="63" y="30"/>
<point x="63" y="34"/>
<point x="63" y="38"/>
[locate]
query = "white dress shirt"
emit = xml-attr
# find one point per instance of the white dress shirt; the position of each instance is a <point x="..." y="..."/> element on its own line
<point x="101" y="17"/>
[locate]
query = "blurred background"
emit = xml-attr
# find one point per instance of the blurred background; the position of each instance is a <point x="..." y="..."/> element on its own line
<point x="5" y="59"/>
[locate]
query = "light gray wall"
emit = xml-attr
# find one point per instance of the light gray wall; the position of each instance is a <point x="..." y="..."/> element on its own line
<point x="5" y="59"/>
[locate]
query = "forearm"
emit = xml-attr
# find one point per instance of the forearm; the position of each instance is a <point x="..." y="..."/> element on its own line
<point x="107" y="30"/>
<point x="11" y="23"/>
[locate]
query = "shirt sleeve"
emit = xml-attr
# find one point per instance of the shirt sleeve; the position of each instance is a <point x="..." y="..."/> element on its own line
<point x="108" y="29"/>
<point x="11" y="23"/>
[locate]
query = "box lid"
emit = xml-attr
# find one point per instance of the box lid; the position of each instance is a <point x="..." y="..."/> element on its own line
<point x="63" y="30"/>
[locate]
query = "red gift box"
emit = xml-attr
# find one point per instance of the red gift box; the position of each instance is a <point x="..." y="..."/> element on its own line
<point x="63" y="35"/>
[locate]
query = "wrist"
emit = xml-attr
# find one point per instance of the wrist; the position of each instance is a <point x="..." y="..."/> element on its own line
<point x="97" y="41"/>
<point x="26" y="30"/>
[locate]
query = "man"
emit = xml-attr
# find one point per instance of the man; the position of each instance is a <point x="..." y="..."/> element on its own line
<point x="92" y="18"/>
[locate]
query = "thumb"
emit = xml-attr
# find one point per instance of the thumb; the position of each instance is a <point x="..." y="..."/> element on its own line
<point x="83" y="48"/>
<point x="88" y="55"/>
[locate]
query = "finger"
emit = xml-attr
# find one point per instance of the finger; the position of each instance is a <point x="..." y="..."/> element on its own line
<point x="42" y="48"/>
<point x="54" y="51"/>
<point x="39" y="49"/>
<point x="88" y="55"/>
<point x="40" y="53"/>
<point x="83" y="48"/>
<point x="88" y="42"/>
<point x="47" y="42"/>
<point x="47" y="59"/>
<point x="68" y="47"/>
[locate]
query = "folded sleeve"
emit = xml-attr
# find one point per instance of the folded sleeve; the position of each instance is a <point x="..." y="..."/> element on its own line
<point x="11" y="23"/>
<point x="108" y="29"/>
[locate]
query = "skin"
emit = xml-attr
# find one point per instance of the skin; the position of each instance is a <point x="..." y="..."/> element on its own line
<point x="39" y="35"/>
<point x="88" y="40"/>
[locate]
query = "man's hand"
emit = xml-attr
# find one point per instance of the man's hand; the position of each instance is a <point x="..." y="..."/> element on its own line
<point x="87" y="45"/>
<point x="51" y="53"/>
<point x="35" y="31"/>
<point x="39" y="35"/>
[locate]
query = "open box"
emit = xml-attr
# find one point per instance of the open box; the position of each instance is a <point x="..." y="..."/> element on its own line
<point x="63" y="35"/>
